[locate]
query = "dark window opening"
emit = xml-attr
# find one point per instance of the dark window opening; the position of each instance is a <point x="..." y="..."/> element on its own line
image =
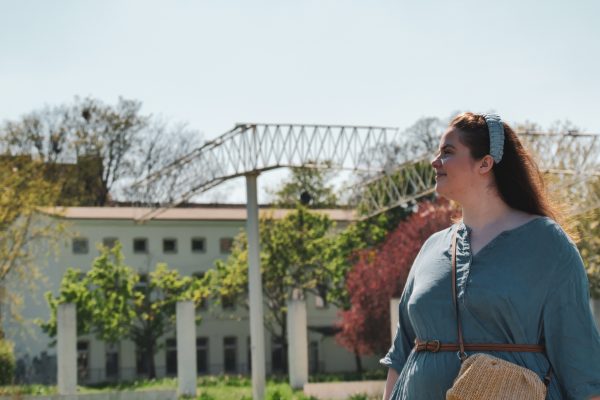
<point x="198" y="245"/>
<point x="230" y="354"/>
<point x="202" y="355"/>
<point x="80" y="246"/>
<point x="140" y="245"/>
<point x="169" y="245"/>
<point x="171" y="354"/>
<point x="225" y="245"/>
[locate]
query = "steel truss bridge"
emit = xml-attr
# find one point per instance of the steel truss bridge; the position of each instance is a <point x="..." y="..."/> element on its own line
<point x="571" y="163"/>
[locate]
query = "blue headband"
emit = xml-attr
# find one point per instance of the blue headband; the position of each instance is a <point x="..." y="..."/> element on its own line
<point x="496" y="130"/>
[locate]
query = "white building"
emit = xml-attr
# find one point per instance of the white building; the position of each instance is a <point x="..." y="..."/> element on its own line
<point x="189" y="240"/>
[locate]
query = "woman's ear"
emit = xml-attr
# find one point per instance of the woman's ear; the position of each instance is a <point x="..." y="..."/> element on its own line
<point x="486" y="164"/>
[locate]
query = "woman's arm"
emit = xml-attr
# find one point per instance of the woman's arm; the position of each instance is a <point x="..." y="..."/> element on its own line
<point x="392" y="376"/>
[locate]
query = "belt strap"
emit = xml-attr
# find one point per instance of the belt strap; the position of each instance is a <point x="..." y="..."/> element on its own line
<point x="434" y="346"/>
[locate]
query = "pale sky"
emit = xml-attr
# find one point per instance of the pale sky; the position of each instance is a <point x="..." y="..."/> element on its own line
<point x="215" y="63"/>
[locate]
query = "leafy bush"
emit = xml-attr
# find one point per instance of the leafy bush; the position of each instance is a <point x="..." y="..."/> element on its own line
<point x="205" y="396"/>
<point x="275" y="395"/>
<point x="7" y="362"/>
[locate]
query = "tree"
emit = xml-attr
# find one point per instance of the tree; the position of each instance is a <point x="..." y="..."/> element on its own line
<point x="291" y="254"/>
<point x="115" y="302"/>
<point x="24" y="232"/>
<point x="345" y="247"/>
<point x="379" y="275"/>
<point x="113" y="145"/>
<point x="307" y="181"/>
<point x="587" y="226"/>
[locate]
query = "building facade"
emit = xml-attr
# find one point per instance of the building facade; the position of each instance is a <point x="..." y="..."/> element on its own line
<point x="189" y="240"/>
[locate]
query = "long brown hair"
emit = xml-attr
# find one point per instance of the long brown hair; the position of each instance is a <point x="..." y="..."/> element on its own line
<point x="518" y="179"/>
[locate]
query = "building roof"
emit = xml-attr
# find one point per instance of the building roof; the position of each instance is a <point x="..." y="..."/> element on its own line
<point x="200" y="213"/>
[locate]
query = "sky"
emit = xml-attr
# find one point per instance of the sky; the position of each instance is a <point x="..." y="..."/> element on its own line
<point x="212" y="64"/>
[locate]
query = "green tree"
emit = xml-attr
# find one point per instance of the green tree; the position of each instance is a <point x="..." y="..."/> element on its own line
<point x="588" y="229"/>
<point x="115" y="302"/>
<point x="291" y="256"/>
<point x="24" y="231"/>
<point x="314" y="182"/>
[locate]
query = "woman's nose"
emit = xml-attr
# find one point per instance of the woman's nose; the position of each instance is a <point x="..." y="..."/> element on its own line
<point x="436" y="163"/>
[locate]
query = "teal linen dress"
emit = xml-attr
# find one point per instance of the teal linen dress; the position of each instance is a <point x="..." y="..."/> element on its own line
<point x="528" y="285"/>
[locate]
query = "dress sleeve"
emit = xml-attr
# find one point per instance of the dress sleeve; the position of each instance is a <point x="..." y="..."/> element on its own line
<point x="405" y="336"/>
<point x="571" y="336"/>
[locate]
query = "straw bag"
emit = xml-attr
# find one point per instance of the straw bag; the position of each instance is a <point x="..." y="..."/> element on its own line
<point x="486" y="377"/>
<point x="483" y="376"/>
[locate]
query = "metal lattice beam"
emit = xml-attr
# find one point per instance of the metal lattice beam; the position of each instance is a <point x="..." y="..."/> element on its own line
<point x="253" y="148"/>
<point x="570" y="162"/>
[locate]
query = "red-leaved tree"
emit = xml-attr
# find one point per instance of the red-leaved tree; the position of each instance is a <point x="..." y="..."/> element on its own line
<point x="379" y="275"/>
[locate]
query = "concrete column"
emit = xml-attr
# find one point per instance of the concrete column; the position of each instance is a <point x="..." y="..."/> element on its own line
<point x="66" y="349"/>
<point x="297" y="340"/>
<point x="394" y="315"/>
<point x="186" y="349"/>
<point x="257" y="330"/>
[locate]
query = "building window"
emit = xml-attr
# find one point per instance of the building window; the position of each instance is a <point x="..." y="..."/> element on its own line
<point x="225" y="244"/>
<point x="277" y="356"/>
<point x="202" y="355"/>
<point x="140" y="245"/>
<point x="109" y="242"/>
<point x="198" y="245"/>
<point x="80" y="246"/>
<point x="83" y="360"/>
<point x="230" y="354"/>
<point x="169" y="245"/>
<point x="142" y="284"/>
<point x="171" y="353"/>
<point x="313" y="357"/>
<point x="112" y="360"/>
<point x="227" y="303"/>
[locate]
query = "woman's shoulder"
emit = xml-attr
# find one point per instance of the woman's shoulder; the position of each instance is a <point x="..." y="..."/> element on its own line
<point x="546" y="230"/>
<point x="561" y="255"/>
<point x="441" y="237"/>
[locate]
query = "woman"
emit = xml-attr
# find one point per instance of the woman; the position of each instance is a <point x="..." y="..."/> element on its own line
<point x="520" y="278"/>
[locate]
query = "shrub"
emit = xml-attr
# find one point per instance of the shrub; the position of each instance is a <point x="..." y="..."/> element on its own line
<point x="7" y="362"/>
<point x="205" y="396"/>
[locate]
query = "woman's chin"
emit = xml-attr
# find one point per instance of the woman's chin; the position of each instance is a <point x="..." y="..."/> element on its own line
<point x="440" y="189"/>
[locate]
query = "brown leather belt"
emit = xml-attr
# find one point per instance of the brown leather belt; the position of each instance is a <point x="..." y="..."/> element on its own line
<point x="434" y="346"/>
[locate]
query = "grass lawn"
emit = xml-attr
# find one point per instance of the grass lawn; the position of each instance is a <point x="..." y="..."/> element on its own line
<point x="209" y="387"/>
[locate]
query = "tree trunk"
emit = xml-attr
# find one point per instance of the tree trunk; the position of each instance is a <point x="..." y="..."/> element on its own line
<point x="284" y="343"/>
<point x="147" y="345"/>
<point x="359" y="367"/>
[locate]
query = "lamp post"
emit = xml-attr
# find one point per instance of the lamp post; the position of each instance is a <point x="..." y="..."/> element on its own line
<point x="297" y="348"/>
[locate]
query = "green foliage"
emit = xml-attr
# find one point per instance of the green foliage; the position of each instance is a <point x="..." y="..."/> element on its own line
<point x="275" y="395"/>
<point x="7" y="362"/>
<point x="341" y="255"/>
<point x="588" y="227"/>
<point x="291" y="255"/>
<point x="23" y="229"/>
<point x="309" y="180"/>
<point x="358" y="396"/>
<point x="205" y="396"/>
<point x="114" y="302"/>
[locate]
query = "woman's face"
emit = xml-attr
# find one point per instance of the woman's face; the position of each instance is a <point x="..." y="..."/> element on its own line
<point x="455" y="169"/>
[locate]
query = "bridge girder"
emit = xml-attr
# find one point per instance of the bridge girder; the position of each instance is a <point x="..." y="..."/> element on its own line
<point x="571" y="161"/>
